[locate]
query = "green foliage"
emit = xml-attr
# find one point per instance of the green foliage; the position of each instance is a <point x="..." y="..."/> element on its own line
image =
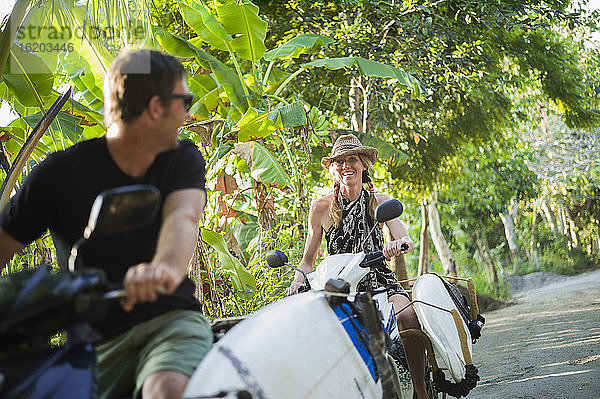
<point x="39" y="252"/>
<point x="557" y="255"/>
<point x="244" y="283"/>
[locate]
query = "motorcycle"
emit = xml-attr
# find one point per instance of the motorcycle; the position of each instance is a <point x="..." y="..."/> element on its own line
<point x="329" y="341"/>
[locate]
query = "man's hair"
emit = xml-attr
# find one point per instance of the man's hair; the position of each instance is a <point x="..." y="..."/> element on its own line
<point x="133" y="78"/>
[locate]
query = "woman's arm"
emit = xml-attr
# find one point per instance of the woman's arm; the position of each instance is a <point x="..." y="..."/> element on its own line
<point x="317" y="211"/>
<point x="399" y="235"/>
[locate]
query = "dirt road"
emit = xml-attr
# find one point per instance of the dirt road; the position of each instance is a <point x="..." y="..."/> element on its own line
<point x="545" y="346"/>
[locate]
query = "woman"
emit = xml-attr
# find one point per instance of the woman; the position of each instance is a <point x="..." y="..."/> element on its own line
<point x="346" y="217"/>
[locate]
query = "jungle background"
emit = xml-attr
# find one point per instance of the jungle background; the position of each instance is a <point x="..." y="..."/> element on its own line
<point x="485" y="113"/>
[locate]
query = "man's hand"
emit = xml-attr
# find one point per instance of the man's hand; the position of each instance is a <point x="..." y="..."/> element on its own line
<point x="145" y="281"/>
<point x="394" y="248"/>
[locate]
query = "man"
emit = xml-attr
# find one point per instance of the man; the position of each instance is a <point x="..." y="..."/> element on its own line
<point x="155" y="338"/>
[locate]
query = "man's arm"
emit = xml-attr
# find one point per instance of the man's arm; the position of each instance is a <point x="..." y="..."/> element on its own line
<point x="176" y="243"/>
<point x="8" y="247"/>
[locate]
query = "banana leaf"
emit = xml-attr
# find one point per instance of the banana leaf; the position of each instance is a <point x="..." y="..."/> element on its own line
<point x="9" y="33"/>
<point x="200" y="18"/>
<point x="207" y="92"/>
<point x="225" y="76"/>
<point x="244" y="231"/>
<point x="13" y="174"/>
<point x="28" y="77"/>
<point x="291" y="115"/>
<point x="243" y="281"/>
<point x="295" y="47"/>
<point x="241" y="20"/>
<point x="372" y="68"/>
<point x="255" y="124"/>
<point x="264" y="165"/>
<point x="14" y="137"/>
<point x="67" y="124"/>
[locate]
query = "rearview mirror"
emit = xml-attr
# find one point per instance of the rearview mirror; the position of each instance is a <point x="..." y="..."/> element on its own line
<point x="276" y="258"/>
<point x="388" y="210"/>
<point x="118" y="210"/>
<point x="122" y="209"/>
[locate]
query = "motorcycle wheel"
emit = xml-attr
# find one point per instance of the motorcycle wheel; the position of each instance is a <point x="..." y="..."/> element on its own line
<point x="431" y="392"/>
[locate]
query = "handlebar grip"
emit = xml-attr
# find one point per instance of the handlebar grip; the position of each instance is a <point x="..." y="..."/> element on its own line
<point x="303" y="288"/>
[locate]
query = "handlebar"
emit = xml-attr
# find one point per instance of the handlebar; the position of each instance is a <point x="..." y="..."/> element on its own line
<point x="376" y="258"/>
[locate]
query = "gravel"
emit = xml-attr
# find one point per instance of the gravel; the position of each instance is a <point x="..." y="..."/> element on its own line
<point x="520" y="285"/>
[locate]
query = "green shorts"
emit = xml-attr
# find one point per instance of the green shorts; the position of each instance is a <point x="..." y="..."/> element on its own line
<point x="176" y="340"/>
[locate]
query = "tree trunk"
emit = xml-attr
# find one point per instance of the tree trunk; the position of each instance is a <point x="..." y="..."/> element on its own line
<point x="424" y="249"/>
<point x="397" y="263"/>
<point x="448" y="262"/>
<point x="511" y="238"/>
<point x="550" y="219"/>
<point x="486" y="246"/>
<point x="576" y="242"/>
<point x="509" y="232"/>
<point x="354" y="95"/>
<point x="560" y="216"/>
<point x="482" y="255"/>
<point x="532" y="245"/>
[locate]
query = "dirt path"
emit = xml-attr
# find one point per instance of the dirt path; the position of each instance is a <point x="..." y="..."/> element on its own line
<point x="543" y="346"/>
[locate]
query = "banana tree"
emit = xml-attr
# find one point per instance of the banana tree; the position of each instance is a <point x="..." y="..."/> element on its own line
<point x="239" y="82"/>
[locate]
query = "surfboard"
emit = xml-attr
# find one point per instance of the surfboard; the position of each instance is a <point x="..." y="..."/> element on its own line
<point x="296" y="347"/>
<point x="439" y="324"/>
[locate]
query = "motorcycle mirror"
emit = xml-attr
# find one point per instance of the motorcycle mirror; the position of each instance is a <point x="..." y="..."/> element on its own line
<point x="118" y="210"/>
<point x="276" y="258"/>
<point x="388" y="210"/>
<point x="122" y="209"/>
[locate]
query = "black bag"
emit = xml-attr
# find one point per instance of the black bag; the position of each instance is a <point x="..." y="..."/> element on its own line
<point x="464" y="308"/>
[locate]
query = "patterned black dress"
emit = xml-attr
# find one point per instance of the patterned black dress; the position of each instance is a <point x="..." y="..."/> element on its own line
<point x="349" y="237"/>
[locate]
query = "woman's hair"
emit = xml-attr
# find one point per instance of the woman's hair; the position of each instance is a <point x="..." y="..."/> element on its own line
<point x="335" y="208"/>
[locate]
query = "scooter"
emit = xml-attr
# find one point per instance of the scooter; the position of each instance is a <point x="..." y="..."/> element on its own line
<point x="332" y="342"/>
<point x="37" y="304"/>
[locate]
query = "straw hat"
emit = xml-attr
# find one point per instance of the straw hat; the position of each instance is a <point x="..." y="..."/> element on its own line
<point x="348" y="144"/>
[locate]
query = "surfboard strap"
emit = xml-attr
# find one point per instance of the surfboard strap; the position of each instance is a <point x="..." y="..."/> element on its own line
<point x="456" y="389"/>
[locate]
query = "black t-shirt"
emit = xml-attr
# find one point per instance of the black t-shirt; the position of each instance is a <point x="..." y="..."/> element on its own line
<point x="58" y="195"/>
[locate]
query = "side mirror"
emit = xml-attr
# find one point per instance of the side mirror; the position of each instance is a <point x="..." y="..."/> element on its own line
<point x="388" y="210"/>
<point x="122" y="209"/>
<point x="118" y="210"/>
<point x="276" y="258"/>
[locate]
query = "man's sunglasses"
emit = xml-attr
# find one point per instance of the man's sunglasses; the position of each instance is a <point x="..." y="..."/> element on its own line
<point x="188" y="99"/>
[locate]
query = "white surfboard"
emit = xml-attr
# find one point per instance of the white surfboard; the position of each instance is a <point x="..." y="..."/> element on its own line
<point x="293" y="348"/>
<point x="439" y="324"/>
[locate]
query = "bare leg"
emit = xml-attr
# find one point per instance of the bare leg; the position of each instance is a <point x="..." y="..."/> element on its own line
<point x="415" y="352"/>
<point x="164" y="384"/>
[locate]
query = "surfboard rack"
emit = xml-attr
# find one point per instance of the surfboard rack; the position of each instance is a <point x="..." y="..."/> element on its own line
<point x="446" y="317"/>
<point x="440" y="382"/>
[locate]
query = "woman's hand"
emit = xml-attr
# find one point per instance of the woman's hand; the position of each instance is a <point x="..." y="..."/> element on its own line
<point x="394" y="248"/>
<point x="293" y="288"/>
